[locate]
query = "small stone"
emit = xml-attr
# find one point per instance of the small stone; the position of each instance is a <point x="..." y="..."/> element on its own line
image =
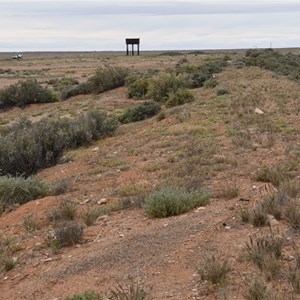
<point x="95" y="149"/>
<point x="121" y="235"/>
<point x="167" y="224"/>
<point x="5" y="278"/>
<point x="258" y="111"/>
<point x="85" y="201"/>
<point x="102" y="218"/>
<point x="272" y="221"/>
<point x="227" y="227"/>
<point x="200" y="208"/>
<point x="102" y="201"/>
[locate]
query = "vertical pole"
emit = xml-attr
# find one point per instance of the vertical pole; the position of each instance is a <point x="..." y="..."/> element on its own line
<point x="127" y="50"/>
<point x="138" y="49"/>
<point x="132" y="49"/>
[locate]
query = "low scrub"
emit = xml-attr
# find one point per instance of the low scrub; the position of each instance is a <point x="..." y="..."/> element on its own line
<point x="19" y="190"/>
<point x="282" y="64"/>
<point x="134" y="292"/>
<point x="163" y="84"/>
<point x="138" y="89"/>
<point x="27" y="147"/>
<point x="140" y="112"/>
<point x="66" y="211"/>
<point x="264" y="252"/>
<point x="68" y="233"/>
<point x="105" y="79"/>
<point x="180" y="97"/>
<point x="25" y="92"/>
<point x="91" y="295"/>
<point x="170" y="201"/>
<point x="292" y="214"/>
<point x="214" y="270"/>
<point x="257" y="289"/>
<point x="273" y="174"/>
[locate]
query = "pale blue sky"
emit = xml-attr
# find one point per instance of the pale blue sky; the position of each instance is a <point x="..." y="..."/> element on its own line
<point x="161" y="24"/>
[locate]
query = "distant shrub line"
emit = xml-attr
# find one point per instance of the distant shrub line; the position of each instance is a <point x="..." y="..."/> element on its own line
<point x="30" y="91"/>
<point x="160" y="86"/>
<point x="287" y="65"/>
<point x="27" y="147"/>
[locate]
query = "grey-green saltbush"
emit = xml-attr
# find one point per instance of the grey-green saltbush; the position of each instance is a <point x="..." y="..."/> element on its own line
<point x="180" y="97"/>
<point x="19" y="190"/>
<point x="27" y="147"/>
<point x="25" y="92"/>
<point x="170" y="201"/>
<point x="165" y="83"/>
<point x="140" y="112"/>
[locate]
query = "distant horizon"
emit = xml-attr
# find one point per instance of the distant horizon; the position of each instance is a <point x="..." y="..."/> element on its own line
<point x="54" y="25"/>
<point x="150" y="50"/>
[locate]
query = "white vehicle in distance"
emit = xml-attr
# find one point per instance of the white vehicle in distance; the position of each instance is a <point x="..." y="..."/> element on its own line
<point x="17" y="56"/>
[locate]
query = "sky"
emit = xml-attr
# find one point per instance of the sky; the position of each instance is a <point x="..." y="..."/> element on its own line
<point x="65" y="25"/>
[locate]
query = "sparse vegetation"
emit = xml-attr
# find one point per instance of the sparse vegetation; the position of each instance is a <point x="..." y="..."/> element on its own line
<point x="264" y="252"/>
<point x="66" y="211"/>
<point x="134" y="292"/>
<point x="170" y="201"/>
<point x="214" y="270"/>
<point x="68" y="233"/>
<point x="273" y="174"/>
<point x="31" y="223"/>
<point x="91" y="295"/>
<point x="257" y="289"/>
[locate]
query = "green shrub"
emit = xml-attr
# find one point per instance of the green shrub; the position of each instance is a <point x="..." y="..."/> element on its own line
<point x="106" y="79"/>
<point x="210" y="83"/>
<point x="221" y="92"/>
<point x="170" y="201"/>
<point x="27" y="147"/>
<point x="138" y="89"/>
<point x="68" y="233"/>
<point x="25" y="92"/>
<point x="81" y="89"/>
<point x="86" y="296"/>
<point x="19" y="190"/>
<point x="165" y="83"/>
<point x="140" y="112"/>
<point x="180" y="97"/>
